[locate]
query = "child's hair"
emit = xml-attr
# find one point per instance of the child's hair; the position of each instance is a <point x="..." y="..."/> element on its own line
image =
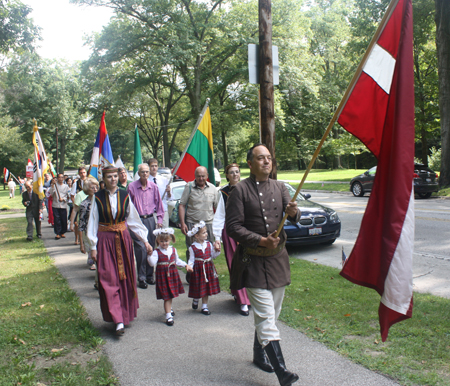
<point x="196" y="228"/>
<point x="163" y="234"/>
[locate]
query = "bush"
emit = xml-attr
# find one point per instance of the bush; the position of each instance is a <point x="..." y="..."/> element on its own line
<point x="434" y="160"/>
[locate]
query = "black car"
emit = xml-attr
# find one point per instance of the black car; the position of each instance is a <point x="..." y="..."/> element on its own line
<point x="318" y="224"/>
<point x="424" y="179"/>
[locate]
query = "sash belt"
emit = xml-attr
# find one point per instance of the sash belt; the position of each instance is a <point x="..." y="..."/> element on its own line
<point x="204" y="270"/>
<point x="118" y="229"/>
<point x="168" y="266"/>
<point x="261" y="251"/>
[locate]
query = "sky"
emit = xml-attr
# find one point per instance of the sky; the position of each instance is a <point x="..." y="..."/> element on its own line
<point x="64" y="25"/>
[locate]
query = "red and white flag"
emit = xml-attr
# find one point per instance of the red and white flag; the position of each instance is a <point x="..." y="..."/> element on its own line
<point x="380" y="112"/>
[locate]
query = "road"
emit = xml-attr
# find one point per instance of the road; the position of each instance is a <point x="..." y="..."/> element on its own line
<point x="431" y="260"/>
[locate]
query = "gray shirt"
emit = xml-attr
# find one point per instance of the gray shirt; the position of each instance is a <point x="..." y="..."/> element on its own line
<point x="201" y="202"/>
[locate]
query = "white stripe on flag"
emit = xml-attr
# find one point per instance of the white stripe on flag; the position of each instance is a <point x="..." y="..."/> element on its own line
<point x="398" y="286"/>
<point x="380" y="67"/>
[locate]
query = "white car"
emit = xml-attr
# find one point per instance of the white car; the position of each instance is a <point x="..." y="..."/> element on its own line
<point x="177" y="191"/>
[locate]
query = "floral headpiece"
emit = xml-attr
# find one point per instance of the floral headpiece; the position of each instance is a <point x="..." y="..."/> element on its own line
<point x="196" y="228"/>
<point x="160" y="231"/>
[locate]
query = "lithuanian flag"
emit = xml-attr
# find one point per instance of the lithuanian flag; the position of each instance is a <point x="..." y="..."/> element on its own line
<point x="199" y="152"/>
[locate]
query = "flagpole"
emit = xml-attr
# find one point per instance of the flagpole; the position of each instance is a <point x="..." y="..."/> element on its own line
<point x="13" y="176"/>
<point x="344" y="99"/>
<point x="189" y="142"/>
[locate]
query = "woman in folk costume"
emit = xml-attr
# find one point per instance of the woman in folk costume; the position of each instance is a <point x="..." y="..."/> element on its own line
<point x="204" y="281"/>
<point x="233" y="175"/>
<point x="166" y="260"/>
<point x="112" y="249"/>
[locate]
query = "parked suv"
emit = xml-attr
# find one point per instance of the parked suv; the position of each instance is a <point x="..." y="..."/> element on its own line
<point x="425" y="181"/>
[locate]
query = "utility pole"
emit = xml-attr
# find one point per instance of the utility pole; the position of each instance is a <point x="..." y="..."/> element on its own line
<point x="57" y="171"/>
<point x="267" y="110"/>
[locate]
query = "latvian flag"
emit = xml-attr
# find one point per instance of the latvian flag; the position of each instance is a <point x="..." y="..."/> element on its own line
<point x="6" y="175"/>
<point x="380" y="112"/>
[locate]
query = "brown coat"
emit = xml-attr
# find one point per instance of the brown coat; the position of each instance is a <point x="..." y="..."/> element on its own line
<point x="255" y="210"/>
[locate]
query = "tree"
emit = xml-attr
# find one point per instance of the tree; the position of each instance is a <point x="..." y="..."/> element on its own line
<point x="443" y="50"/>
<point x="48" y="91"/>
<point x="17" y="31"/>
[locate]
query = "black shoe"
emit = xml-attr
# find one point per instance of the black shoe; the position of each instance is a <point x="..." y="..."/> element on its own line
<point x="172" y="312"/>
<point x="194" y="305"/>
<point x="205" y="311"/>
<point x="151" y="281"/>
<point x="169" y="321"/>
<point x="244" y="313"/>
<point x="142" y="284"/>
<point x="260" y="358"/>
<point x="29" y="239"/>
<point x="96" y="286"/>
<point x="39" y="236"/>
<point x="273" y="351"/>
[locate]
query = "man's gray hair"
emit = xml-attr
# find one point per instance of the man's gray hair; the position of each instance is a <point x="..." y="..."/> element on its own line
<point x="201" y="167"/>
<point x="143" y="166"/>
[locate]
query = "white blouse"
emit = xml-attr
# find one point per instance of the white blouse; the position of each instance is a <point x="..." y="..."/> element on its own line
<point x="153" y="258"/>
<point x="219" y="219"/>
<point x="202" y="246"/>
<point x="132" y="216"/>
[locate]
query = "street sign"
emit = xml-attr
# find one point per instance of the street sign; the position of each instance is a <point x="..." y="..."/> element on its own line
<point x="253" y="64"/>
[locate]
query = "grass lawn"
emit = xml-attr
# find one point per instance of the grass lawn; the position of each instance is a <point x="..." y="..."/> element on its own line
<point x="45" y="335"/>
<point x="10" y="205"/>
<point x="344" y="317"/>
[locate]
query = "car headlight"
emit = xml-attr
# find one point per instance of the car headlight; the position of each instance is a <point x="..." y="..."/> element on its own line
<point x="334" y="217"/>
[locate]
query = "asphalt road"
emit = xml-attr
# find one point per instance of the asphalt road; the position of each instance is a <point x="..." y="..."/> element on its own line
<point x="431" y="259"/>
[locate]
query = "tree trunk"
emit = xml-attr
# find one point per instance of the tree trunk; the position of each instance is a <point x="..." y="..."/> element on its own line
<point x="443" y="52"/>
<point x="62" y="156"/>
<point x="224" y="149"/>
<point x="267" y="117"/>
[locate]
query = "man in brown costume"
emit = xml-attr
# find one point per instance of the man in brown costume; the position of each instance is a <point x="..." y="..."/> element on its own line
<point x="261" y="264"/>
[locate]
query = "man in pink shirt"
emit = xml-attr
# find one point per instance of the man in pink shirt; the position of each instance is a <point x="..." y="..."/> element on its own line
<point x="146" y="198"/>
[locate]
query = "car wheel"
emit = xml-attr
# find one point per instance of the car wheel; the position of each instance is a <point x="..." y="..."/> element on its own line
<point x="329" y="242"/>
<point x="357" y="189"/>
<point x="424" y="195"/>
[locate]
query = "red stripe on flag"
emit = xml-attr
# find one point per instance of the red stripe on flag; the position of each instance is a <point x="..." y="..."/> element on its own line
<point x="367" y="96"/>
<point x="391" y="34"/>
<point x="388" y="317"/>
<point x="186" y="171"/>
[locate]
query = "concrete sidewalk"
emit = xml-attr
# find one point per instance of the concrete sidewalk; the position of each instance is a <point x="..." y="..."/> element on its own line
<point x="198" y="349"/>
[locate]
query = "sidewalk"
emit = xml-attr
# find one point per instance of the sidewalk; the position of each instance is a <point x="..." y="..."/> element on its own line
<point x="197" y="350"/>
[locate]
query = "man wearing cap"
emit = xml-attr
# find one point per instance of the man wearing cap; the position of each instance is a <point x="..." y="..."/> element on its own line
<point x="146" y="199"/>
<point x="261" y="263"/>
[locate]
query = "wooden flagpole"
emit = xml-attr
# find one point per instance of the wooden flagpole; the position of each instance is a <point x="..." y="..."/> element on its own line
<point x="344" y="100"/>
<point x="188" y="143"/>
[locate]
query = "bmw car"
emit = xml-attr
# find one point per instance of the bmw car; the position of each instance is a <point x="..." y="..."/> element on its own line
<point x="318" y="224"/>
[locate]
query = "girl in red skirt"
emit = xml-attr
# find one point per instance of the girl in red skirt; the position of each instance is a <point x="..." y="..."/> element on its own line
<point x="203" y="281"/>
<point x="166" y="260"/>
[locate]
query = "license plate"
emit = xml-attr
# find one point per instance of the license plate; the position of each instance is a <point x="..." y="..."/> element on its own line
<point x="428" y="179"/>
<point x="315" y="231"/>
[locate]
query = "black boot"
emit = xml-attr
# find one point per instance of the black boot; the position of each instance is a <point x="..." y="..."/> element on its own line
<point x="260" y="358"/>
<point x="275" y="355"/>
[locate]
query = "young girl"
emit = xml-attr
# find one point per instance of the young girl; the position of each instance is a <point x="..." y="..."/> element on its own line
<point x="203" y="281"/>
<point x="165" y="258"/>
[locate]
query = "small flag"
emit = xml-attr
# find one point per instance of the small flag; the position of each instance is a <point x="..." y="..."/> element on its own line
<point x="137" y="153"/>
<point x="380" y="112"/>
<point x="6" y="175"/>
<point x="101" y="154"/>
<point x="344" y="257"/>
<point x="119" y="163"/>
<point x="51" y="169"/>
<point x="40" y="166"/>
<point x="200" y="152"/>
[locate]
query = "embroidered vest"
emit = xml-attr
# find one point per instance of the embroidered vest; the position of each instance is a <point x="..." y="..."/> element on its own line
<point x="162" y="258"/>
<point x="104" y="208"/>
<point x="199" y="254"/>
<point x="225" y="193"/>
<point x="79" y="187"/>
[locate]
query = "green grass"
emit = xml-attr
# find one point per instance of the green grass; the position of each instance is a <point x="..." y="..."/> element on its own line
<point x="45" y="335"/>
<point x="14" y="204"/>
<point x="344" y="317"/>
